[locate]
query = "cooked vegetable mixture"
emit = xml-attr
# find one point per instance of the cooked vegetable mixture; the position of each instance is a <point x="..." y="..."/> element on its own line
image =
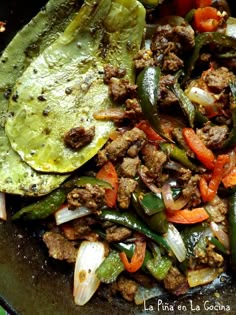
<point x="118" y="131"/>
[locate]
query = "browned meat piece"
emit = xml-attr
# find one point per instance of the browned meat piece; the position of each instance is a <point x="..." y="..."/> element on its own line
<point x="79" y="229"/>
<point x="119" y="147"/>
<point x="213" y="136"/>
<point x="117" y="233"/>
<point x="209" y="256"/>
<point x="59" y="247"/>
<point x="143" y="59"/>
<point x="120" y="89"/>
<point x="79" y="137"/>
<point x="172" y="63"/>
<point x="125" y="189"/>
<point x="133" y="110"/>
<point x="91" y="196"/>
<point x="185" y="36"/>
<point x="126" y="287"/>
<point x="111" y="71"/>
<point x="218" y="79"/>
<point x="167" y="97"/>
<point x="169" y="44"/>
<point x="192" y="192"/>
<point x="175" y="282"/>
<point x="153" y="160"/>
<point x="129" y="167"/>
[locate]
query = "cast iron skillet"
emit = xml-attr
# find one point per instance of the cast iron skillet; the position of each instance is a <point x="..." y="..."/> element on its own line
<point x="31" y="283"/>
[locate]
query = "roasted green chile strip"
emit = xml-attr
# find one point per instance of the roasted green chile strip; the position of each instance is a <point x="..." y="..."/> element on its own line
<point x="148" y="93"/>
<point x="131" y="221"/>
<point x="177" y="154"/>
<point x="232" y="229"/>
<point x="231" y="140"/>
<point x="218" y="39"/>
<point x="110" y="268"/>
<point x="186" y="105"/>
<point x="156" y="222"/>
<point x="42" y="208"/>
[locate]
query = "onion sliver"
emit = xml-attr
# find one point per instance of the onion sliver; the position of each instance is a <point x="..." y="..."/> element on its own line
<point x="89" y="258"/>
<point x="220" y="234"/>
<point x="65" y="215"/>
<point x="170" y="203"/>
<point x="202" y="276"/>
<point x="200" y="96"/>
<point x="3" y="211"/>
<point x="176" y="242"/>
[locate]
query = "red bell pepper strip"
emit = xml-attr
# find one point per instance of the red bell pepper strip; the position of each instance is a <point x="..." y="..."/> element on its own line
<point x="206" y="19"/>
<point x="147" y="129"/>
<point x="229" y="180"/>
<point x="108" y="173"/>
<point x="209" y="191"/>
<point x="202" y="3"/>
<point x="187" y="216"/>
<point x="203" y="154"/>
<point x="137" y="258"/>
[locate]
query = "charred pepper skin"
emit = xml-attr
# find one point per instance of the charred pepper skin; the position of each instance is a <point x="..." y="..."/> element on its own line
<point x="148" y="94"/>
<point x="232" y="229"/>
<point x="42" y="208"/>
<point x="131" y="221"/>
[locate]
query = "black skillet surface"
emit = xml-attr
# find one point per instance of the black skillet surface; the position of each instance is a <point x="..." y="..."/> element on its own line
<point x="33" y="284"/>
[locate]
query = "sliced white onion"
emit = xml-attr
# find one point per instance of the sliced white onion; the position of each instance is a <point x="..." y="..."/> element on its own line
<point x="231" y="27"/>
<point x="220" y="234"/>
<point x="176" y="242"/>
<point x="3" y="211"/>
<point x="89" y="258"/>
<point x="143" y="294"/>
<point x="169" y="201"/>
<point x="200" y="96"/>
<point x="65" y="215"/>
<point x="202" y="276"/>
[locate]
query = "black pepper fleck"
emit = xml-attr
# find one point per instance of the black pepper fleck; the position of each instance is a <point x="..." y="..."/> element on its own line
<point x="42" y="98"/>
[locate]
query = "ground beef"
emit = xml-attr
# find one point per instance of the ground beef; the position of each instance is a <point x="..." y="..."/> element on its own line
<point x="217" y="209"/>
<point x="80" y="229"/>
<point x="78" y="137"/>
<point x="213" y="136"/>
<point x="153" y="160"/>
<point x="111" y="71"/>
<point x="209" y="256"/>
<point x="125" y="189"/>
<point x="172" y="63"/>
<point x="144" y="58"/>
<point x="91" y="196"/>
<point x="59" y="247"/>
<point x="126" y="287"/>
<point x="175" y="282"/>
<point x="129" y="167"/>
<point x="133" y="110"/>
<point x="117" y="233"/>
<point x="218" y="79"/>
<point x="121" y="89"/>
<point x="191" y="191"/>
<point x="131" y="142"/>
<point x="169" y="44"/>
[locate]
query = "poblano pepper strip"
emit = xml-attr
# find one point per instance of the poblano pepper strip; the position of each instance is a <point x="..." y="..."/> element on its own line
<point x="231" y="140"/>
<point x="177" y="154"/>
<point x="186" y="105"/>
<point x="148" y="93"/>
<point x="42" y="208"/>
<point x="131" y="221"/>
<point x="157" y="222"/>
<point x="110" y="268"/>
<point x="220" y="40"/>
<point x="232" y="229"/>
